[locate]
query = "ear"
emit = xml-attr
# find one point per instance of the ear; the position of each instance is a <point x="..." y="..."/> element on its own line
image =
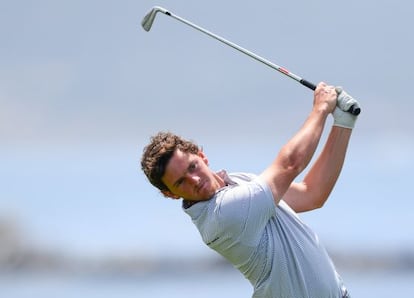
<point x="169" y="194"/>
<point x="203" y="156"/>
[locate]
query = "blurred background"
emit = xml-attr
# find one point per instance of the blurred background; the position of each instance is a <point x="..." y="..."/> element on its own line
<point x="83" y="87"/>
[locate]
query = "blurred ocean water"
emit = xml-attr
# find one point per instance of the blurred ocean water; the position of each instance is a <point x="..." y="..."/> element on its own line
<point x="226" y="284"/>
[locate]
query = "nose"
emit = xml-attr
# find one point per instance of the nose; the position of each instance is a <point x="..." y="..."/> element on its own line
<point x="194" y="179"/>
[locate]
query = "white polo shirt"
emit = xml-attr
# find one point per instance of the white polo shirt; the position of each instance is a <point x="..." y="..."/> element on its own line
<point x="269" y="244"/>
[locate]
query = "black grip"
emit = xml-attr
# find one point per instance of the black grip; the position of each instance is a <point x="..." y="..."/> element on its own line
<point x="354" y="110"/>
<point x="308" y="84"/>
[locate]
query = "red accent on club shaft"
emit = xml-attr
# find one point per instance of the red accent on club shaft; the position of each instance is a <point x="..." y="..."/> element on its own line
<point x="284" y="70"/>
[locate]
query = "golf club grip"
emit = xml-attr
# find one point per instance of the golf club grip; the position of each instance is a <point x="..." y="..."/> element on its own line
<point x="354" y="109"/>
<point x="308" y="84"/>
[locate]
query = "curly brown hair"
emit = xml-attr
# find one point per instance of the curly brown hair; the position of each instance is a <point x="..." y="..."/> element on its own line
<point x="158" y="153"/>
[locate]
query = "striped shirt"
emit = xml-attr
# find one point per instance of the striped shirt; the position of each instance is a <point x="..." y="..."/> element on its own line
<point x="279" y="254"/>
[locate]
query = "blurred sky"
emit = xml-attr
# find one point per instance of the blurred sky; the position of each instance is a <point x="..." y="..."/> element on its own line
<point x="83" y="87"/>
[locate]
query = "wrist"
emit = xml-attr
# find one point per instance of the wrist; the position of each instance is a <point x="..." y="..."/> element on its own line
<point x="343" y="119"/>
<point x="321" y="110"/>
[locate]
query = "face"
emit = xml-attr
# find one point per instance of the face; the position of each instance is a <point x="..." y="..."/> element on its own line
<point x="188" y="176"/>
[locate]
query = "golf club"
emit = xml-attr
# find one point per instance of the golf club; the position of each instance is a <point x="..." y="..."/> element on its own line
<point x="149" y="18"/>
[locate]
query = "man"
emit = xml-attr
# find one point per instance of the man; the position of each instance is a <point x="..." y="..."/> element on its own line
<point x="252" y="220"/>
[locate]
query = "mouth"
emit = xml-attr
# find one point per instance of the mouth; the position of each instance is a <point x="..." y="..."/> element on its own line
<point x="200" y="186"/>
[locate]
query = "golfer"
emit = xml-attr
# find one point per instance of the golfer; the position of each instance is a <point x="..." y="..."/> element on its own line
<point x="252" y="220"/>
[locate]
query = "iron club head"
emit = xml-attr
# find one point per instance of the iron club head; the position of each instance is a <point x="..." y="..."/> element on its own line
<point x="150" y="17"/>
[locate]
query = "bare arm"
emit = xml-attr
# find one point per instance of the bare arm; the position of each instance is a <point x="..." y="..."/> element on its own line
<point x="297" y="153"/>
<point x="318" y="183"/>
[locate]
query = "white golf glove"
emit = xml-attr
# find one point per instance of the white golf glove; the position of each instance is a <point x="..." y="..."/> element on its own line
<point x="342" y="118"/>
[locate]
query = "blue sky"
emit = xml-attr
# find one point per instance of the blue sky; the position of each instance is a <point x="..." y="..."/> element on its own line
<point x="82" y="87"/>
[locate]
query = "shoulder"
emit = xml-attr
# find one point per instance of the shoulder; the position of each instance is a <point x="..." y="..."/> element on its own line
<point x="241" y="177"/>
<point x="248" y="198"/>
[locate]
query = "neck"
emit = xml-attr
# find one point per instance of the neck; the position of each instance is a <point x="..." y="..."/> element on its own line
<point x="188" y="204"/>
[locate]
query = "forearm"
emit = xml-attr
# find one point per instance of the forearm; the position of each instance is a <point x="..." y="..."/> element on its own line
<point x="323" y="175"/>
<point x="295" y="155"/>
<point x="298" y="152"/>
<point x="318" y="183"/>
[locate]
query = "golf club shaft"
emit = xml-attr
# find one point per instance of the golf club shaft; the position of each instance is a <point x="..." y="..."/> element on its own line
<point x="245" y="51"/>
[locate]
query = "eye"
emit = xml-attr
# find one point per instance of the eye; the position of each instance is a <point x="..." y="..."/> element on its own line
<point x="192" y="167"/>
<point x="179" y="182"/>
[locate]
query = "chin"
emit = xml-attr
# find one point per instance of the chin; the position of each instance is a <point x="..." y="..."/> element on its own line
<point x="209" y="195"/>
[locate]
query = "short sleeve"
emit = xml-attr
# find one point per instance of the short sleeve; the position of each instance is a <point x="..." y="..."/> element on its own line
<point x="244" y="210"/>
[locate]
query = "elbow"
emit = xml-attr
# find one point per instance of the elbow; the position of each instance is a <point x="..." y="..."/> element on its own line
<point x="311" y="204"/>
<point x="319" y="203"/>
<point x="318" y="200"/>
<point x="314" y="198"/>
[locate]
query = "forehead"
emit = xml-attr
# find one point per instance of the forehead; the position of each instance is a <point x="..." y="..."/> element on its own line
<point x="179" y="158"/>
<point x="178" y="164"/>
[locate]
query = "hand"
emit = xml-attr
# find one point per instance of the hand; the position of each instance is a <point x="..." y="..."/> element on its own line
<point x="325" y="97"/>
<point x="342" y="117"/>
